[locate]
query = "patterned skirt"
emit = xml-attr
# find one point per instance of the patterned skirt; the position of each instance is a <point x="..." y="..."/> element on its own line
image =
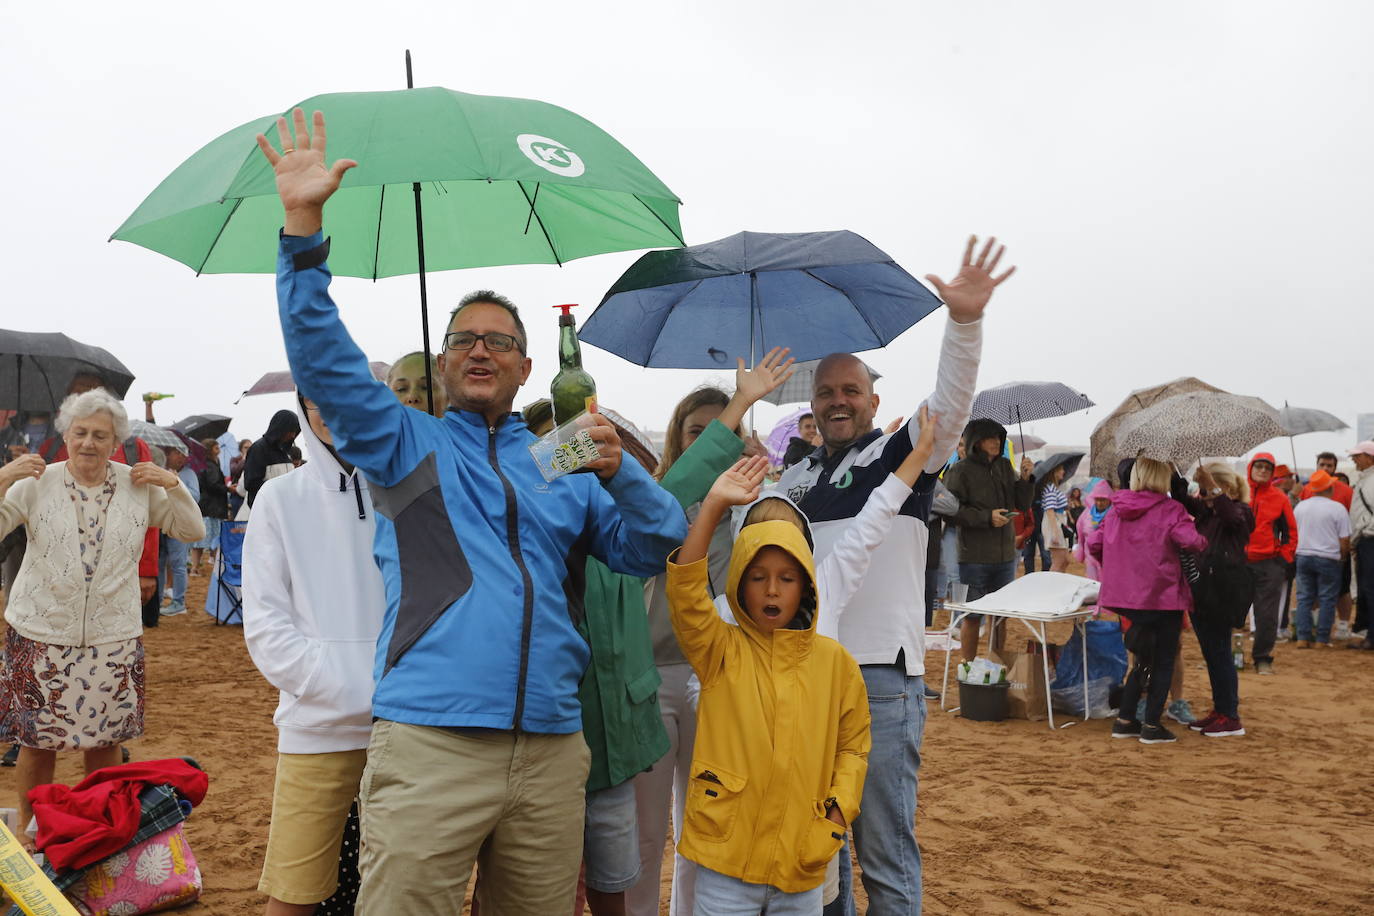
<point x="71" y="698"/>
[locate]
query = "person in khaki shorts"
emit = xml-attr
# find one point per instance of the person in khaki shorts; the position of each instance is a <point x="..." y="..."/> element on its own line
<point x="312" y="607"/>
<point x="476" y="750"/>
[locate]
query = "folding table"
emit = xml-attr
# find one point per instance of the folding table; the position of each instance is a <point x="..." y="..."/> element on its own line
<point x="1037" y="624"/>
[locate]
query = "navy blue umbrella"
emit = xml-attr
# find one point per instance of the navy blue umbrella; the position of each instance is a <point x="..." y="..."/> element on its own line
<point x="704" y="306"/>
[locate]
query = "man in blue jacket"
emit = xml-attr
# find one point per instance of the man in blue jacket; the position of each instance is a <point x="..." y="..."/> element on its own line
<point x="476" y="751"/>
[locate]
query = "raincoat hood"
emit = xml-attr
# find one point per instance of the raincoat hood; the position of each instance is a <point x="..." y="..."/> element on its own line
<point x="1132" y="504"/>
<point x="1102" y="490"/>
<point x="284" y="422"/>
<point x="740" y="513"/>
<point x="980" y="429"/>
<point x="748" y="543"/>
<point x="1249" y="471"/>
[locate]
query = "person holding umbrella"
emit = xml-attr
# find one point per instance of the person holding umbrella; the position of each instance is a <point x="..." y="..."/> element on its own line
<point x="884" y="627"/>
<point x="214" y="507"/>
<point x="474" y="547"/>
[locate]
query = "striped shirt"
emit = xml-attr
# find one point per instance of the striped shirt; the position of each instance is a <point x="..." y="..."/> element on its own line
<point x="1054" y="498"/>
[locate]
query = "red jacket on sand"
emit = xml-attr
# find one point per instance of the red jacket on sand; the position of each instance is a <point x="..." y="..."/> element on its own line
<point x="80" y="825"/>
<point x="1276" y="531"/>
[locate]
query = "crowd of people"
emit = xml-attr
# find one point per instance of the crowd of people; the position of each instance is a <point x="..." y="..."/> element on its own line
<point x="1217" y="557"/>
<point x="536" y="678"/>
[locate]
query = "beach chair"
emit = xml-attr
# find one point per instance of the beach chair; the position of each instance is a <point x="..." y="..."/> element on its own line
<point x="228" y="598"/>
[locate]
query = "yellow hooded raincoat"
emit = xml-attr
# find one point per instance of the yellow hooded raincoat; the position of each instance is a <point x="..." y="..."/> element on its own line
<point x="782" y="728"/>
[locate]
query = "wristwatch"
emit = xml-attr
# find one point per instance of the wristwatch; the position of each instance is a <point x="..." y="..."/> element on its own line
<point x="1215" y="491"/>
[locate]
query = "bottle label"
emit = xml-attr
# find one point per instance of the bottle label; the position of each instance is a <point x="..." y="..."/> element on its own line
<point x="590" y="404"/>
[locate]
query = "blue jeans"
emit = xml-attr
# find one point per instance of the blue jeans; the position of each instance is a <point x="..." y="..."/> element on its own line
<point x="984" y="578"/>
<point x="884" y="832"/>
<point x="172" y="566"/>
<point x="722" y="895"/>
<point x="1036" y="540"/>
<point x="1319" y="582"/>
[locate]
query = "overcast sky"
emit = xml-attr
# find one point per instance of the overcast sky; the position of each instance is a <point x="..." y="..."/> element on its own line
<point x="1184" y="187"/>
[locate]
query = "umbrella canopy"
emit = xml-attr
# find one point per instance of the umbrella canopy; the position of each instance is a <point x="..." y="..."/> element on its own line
<point x="203" y="426"/>
<point x="160" y="436"/>
<point x="704" y="306"/>
<point x="1102" y="445"/>
<point x="798" y="388"/>
<point x="1185" y="427"/>
<point x="1026" y="442"/>
<point x="36" y="368"/>
<point x="1069" y="461"/>
<point x="1299" y="420"/>
<point x="1025" y="402"/>
<point x="502" y="181"/>
<point x="781" y="434"/>
<point x="281" y="380"/>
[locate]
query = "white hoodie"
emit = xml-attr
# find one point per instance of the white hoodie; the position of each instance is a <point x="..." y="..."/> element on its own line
<point x="313" y="601"/>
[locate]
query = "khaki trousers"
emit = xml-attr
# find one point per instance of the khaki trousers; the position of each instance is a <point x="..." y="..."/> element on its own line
<point x="434" y="800"/>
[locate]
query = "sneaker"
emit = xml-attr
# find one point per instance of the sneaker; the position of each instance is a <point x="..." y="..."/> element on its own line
<point x="173" y="609"/>
<point x="11" y="756"/>
<point x="1302" y="644"/>
<point x="1125" y="729"/>
<point x="1321" y="645"/>
<point x="1198" y="725"/>
<point x="1264" y="667"/>
<point x="1283" y="635"/>
<point x="1342" y="629"/>
<point x="1224" y="727"/>
<point x="1180" y="712"/>
<point x="932" y="693"/>
<point x="1156" y="734"/>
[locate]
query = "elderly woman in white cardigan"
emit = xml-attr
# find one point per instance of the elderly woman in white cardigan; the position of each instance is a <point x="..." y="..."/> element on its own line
<point x="72" y="677"/>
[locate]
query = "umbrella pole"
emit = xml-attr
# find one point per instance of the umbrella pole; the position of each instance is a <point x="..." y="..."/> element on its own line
<point x="753" y="303"/>
<point x="1292" y="449"/>
<point x="1021" y="429"/>
<point x="420" y="261"/>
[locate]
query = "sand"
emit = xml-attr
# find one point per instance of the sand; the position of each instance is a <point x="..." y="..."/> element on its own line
<point x="1013" y="818"/>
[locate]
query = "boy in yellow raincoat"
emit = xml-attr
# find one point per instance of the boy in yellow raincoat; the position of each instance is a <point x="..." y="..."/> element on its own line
<point x="783" y="724"/>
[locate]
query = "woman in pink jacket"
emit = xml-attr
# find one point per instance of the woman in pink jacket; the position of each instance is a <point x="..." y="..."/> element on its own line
<point x="1138" y="546"/>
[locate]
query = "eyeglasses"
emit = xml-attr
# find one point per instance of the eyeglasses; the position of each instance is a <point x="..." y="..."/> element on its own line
<point x="495" y="341"/>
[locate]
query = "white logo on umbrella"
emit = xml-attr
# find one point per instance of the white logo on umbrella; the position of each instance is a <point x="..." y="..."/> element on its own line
<point x="552" y="155"/>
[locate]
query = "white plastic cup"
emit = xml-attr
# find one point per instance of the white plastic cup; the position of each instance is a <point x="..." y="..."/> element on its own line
<point x="959" y="592"/>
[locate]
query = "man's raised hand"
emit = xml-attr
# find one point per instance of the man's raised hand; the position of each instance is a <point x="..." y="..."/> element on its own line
<point x="967" y="295"/>
<point x="304" y="183"/>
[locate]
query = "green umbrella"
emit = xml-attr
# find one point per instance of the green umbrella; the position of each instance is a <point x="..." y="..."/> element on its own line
<point x="444" y="180"/>
<point x="503" y="181"/>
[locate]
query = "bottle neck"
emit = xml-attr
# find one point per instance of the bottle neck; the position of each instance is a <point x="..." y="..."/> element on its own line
<point x="569" y="350"/>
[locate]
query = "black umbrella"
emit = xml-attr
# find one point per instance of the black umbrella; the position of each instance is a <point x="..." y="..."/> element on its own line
<point x="36" y="369"/>
<point x="203" y="426"/>
<point x="1069" y="460"/>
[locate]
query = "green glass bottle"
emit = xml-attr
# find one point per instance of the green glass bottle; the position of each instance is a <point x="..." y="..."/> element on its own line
<point x="573" y="391"/>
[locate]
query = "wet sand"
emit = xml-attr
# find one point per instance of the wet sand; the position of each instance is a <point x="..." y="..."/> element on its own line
<point x="1013" y="818"/>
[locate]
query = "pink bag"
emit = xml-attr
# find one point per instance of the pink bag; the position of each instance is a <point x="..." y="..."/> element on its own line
<point x="157" y="874"/>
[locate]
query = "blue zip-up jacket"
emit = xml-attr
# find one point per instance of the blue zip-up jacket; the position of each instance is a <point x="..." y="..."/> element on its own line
<point x="474" y="546"/>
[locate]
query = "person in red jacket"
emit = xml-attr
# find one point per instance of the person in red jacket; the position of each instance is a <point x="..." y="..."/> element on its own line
<point x="1272" y="548"/>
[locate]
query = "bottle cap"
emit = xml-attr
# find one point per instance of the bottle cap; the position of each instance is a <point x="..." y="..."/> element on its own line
<point x="567" y="308"/>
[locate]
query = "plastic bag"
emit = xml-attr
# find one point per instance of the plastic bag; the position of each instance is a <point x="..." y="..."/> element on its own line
<point x="566" y="448"/>
<point x="982" y="671"/>
<point x="1107" y="663"/>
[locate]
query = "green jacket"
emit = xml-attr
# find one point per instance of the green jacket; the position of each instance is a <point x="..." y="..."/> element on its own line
<point x="621" y="721"/>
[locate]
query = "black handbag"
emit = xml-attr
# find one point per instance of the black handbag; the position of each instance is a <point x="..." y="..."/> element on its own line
<point x="1223" y="588"/>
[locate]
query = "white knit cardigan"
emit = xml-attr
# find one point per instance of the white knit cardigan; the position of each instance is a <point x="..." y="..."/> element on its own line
<point x="50" y="601"/>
